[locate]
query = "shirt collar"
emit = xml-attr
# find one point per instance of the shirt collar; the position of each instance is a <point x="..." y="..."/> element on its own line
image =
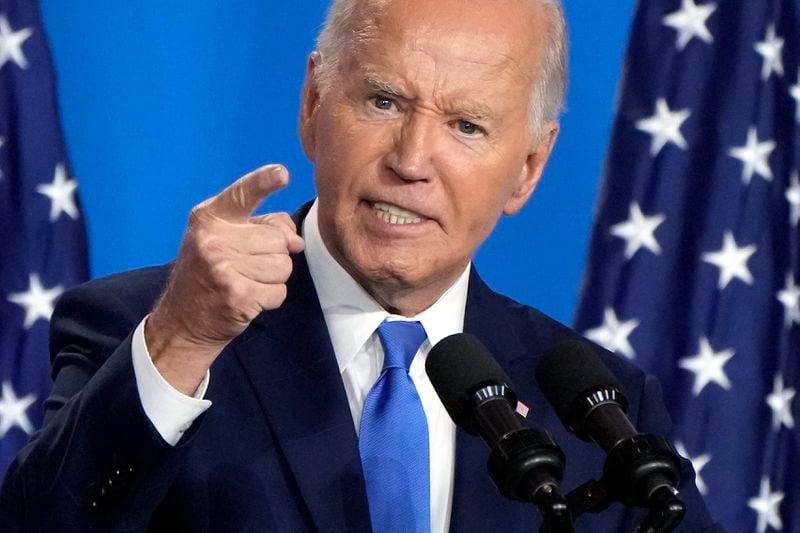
<point x="352" y="315"/>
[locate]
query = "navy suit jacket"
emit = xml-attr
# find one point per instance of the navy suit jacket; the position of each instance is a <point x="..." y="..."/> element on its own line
<point x="277" y="451"/>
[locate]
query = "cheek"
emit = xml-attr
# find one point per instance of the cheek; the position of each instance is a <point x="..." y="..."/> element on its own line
<point x="348" y="150"/>
<point x="480" y="192"/>
<point x="335" y="157"/>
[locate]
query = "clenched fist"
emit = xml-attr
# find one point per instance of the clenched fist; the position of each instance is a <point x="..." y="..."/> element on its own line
<point x="231" y="266"/>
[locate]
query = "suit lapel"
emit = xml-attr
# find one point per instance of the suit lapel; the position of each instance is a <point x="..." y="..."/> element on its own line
<point x="477" y="505"/>
<point x="289" y="359"/>
<point x="288" y="356"/>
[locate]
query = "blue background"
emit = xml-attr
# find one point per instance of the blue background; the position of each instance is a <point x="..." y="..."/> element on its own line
<point x="165" y="103"/>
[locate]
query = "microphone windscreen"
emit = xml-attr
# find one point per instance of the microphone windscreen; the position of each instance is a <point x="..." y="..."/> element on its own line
<point x="457" y="366"/>
<point x="567" y="372"/>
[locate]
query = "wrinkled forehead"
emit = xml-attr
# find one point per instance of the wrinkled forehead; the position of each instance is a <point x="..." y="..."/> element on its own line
<point x="494" y="31"/>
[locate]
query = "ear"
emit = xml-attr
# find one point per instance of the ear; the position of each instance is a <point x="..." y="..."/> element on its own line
<point x="532" y="170"/>
<point x="309" y="105"/>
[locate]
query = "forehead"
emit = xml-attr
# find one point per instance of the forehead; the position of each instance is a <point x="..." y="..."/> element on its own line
<point x="482" y="40"/>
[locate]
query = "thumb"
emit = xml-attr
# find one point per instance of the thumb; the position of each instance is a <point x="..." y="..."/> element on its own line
<point x="238" y="201"/>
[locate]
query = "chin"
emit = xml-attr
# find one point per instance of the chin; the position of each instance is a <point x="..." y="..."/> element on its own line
<point x="395" y="273"/>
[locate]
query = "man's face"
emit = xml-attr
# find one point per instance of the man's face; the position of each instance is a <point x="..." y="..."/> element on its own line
<point x="423" y="141"/>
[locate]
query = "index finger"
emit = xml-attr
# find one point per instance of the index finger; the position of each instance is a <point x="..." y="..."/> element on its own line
<point x="238" y="201"/>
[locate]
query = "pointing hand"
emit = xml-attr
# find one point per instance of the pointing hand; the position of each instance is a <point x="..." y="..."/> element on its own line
<point x="230" y="267"/>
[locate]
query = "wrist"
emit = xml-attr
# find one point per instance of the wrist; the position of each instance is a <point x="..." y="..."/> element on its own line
<point x="181" y="360"/>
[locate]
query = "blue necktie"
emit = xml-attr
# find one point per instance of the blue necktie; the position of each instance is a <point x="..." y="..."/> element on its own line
<point x="393" y="439"/>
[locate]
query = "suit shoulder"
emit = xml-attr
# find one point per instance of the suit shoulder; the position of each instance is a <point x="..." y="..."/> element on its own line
<point x="539" y="329"/>
<point x="129" y="289"/>
<point x="109" y="306"/>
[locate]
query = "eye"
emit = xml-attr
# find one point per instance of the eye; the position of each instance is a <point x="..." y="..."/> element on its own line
<point x="468" y="128"/>
<point x="381" y="102"/>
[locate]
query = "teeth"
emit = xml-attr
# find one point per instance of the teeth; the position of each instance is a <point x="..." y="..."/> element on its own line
<point x="395" y="215"/>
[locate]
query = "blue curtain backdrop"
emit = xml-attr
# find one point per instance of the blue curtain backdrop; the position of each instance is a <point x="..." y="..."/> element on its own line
<point x="164" y="103"/>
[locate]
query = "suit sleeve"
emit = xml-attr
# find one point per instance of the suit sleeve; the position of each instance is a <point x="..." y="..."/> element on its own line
<point x="97" y="463"/>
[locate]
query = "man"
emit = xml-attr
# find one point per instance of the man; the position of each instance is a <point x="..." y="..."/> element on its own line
<point x="230" y="392"/>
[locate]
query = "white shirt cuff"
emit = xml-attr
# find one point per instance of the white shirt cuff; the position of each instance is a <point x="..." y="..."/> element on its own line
<point x="169" y="410"/>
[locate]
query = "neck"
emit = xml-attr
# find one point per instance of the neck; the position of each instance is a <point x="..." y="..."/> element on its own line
<point x="403" y="299"/>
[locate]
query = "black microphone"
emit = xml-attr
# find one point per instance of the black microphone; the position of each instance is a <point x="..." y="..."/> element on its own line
<point x="586" y="396"/>
<point x="525" y="464"/>
<point x="641" y="469"/>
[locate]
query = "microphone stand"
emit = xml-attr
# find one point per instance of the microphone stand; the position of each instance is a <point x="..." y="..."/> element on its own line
<point x="666" y="512"/>
<point x="526" y="465"/>
<point x="555" y="511"/>
<point x="640" y="471"/>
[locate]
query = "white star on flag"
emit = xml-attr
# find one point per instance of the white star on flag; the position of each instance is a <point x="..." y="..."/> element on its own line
<point x="731" y="261"/>
<point x="12" y="411"/>
<point x="37" y="301"/>
<point x="11" y="44"/>
<point x="766" y="505"/>
<point x="61" y="193"/>
<point x="613" y="334"/>
<point x="698" y="463"/>
<point x="770" y="50"/>
<point x="638" y="231"/>
<point x="790" y="298"/>
<point x="794" y="92"/>
<point x="793" y="197"/>
<point x="780" y="401"/>
<point x="664" y="126"/>
<point x="754" y="155"/>
<point x="690" y="21"/>
<point x="707" y="366"/>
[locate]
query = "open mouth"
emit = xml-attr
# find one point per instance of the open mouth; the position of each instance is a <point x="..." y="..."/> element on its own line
<point x="395" y="215"/>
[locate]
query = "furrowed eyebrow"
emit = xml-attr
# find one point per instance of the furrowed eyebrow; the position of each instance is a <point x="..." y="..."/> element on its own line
<point x="473" y="111"/>
<point x="469" y="110"/>
<point x="378" y="85"/>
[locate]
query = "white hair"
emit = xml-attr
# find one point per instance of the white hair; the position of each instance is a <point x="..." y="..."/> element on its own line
<point x="348" y="20"/>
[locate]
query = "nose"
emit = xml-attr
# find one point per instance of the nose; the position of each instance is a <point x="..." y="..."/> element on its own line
<point x="411" y="156"/>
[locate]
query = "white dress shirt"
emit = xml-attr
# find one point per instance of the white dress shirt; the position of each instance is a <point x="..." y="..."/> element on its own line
<point x="352" y="317"/>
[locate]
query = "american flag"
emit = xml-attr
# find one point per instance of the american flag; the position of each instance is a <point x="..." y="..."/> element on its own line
<point x="694" y="265"/>
<point x="42" y="236"/>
